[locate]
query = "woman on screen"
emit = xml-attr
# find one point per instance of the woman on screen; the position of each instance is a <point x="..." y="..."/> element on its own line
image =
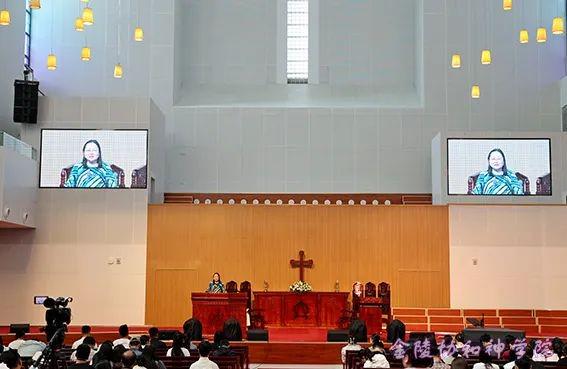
<point x="498" y="179"/>
<point x="92" y="172"/>
<point x="216" y="285"/>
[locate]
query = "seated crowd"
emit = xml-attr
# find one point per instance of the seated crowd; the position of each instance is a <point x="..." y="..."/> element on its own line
<point x="453" y="352"/>
<point x="126" y="352"/>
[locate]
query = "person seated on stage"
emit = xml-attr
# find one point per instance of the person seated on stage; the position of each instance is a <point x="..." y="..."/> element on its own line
<point x="216" y="285"/>
<point x="177" y="348"/>
<point x="376" y="345"/>
<point x="83" y="358"/>
<point x="351" y="346"/>
<point x="15" y="344"/>
<point x="498" y="178"/>
<point x="85" y="331"/>
<point x="91" y="171"/>
<point x="10" y="360"/>
<point x="103" y="357"/>
<point x="124" y="339"/>
<point x="129" y="359"/>
<point x="154" y="339"/>
<point x="438" y="363"/>
<point x="223" y="349"/>
<point x="204" y="362"/>
<point x="136" y="346"/>
<point x="374" y="359"/>
<point x="484" y="360"/>
<point x="91" y="343"/>
<point x="410" y="360"/>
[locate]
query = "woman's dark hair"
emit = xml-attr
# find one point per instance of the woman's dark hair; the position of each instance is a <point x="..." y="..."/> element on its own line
<point x="193" y="330"/>
<point x="447" y="339"/>
<point x="416" y="362"/>
<point x="367" y="354"/>
<point x="376" y="342"/>
<point x="232" y="330"/>
<point x="396" y="330"/>
<point x="557" y="346"/>
<point x="148" y="358"/>
<point x="219" y="336"/>
<point x="144" y="339"/>
<point x="176" y="347"/>
<point x="117" y="353"/>
<point x="11" y="359"/>
<point x="358" y="330"/>
<point x="1" y="345"/>
<point x="485" y="358"/>
<point x="459" y="363"/>
<point x="104" y="353"/>
<point x="217" y="273"/>
<point x="504" y="168"/>
<point x="99" y="160"/>
<point x="459" y="337"/>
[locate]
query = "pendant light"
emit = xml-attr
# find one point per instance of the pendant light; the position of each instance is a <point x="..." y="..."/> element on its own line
<point x="541" y="35"/>
<point x="79" y="24"/>
<point x="456" y="61"/>
<point x="475" y="92"/>
<point x="524" y="36"/>
<point x="5" y="15"/>
<point x="88" y="16"/>
<point x="34" y="4"/>
<point x="86" y="51"/>
<point x="118" y="71"/>
<point x="558" y="25"/>
<point x="485" y="57"/>
<point x="507" y="4"/>
<point x="52" y="58"/>
<point x="138" y="32"/>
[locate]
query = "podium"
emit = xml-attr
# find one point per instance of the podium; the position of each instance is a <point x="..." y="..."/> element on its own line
<point x="213" y="309"/>
<point x="370" y="310"/>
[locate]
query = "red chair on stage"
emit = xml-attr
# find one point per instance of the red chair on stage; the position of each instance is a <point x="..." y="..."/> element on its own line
<point x="232" y="287"/>
<point x="369" y="290"/>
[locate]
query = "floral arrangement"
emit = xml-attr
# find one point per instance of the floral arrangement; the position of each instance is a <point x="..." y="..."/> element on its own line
<point x="300" y="286"/>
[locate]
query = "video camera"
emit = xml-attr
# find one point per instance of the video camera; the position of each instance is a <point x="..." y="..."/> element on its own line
<point x="58" y="315"/>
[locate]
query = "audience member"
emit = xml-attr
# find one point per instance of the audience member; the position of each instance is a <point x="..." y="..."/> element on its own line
<point x="529" y="355"/>
<point x="177" y="348"/>
<point x="85" y="331"/>
<point x="10" y="360"/>
<point x="193" y="330"/>
<point x="448" y="355"/>
<point x="144" y="340"/>
<point x="459" y="341"/>
<point x="217" y="338"/>
<point x="376" y="344"/>
<point x="374" y="359"/>
<point x="136" y="346"/>
<point x="232" y="330"/>
<point x="117" y="353"/>
<point x="124" y="339"/>
<point x="204" y="362"/>
<point x="83" y="357"/>
<point x="508" y="342"/>
<point x="485" y="341"/>
<point x="89" y="341"/>
<point x="459" y="363"/>
<point x="563" y="357"/>
<point x="15" y="344"/>
<point x="30" y="348"/>
<point x="154" y="339"/>
<point x="351" y="346"/>
<point x="484" y="359"/>
<point x="438" y="363"/>
<point x="412" y="361"/>
<point x="2" y="347"/>
<point x="103" y="357"/>
<point x="149" y="360"/>
<point x="223" y="349"/>
<point x="129" y="359"/>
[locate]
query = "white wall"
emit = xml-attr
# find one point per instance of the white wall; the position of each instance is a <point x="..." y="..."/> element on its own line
<point x="77" y="231"/>
<point x="12" y="46"/>
<point x="384" y="146"/>
<point x="520" y="253"/>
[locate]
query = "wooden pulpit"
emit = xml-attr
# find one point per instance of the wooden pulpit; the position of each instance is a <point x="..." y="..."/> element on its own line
<point x="213" y="309"/>
<point x="370" y="311"/>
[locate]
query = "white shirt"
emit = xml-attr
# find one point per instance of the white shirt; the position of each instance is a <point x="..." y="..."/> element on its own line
<point x="122" y="341"/>
<point x="3" y="366"/>
<point x="509" y="365"/>
<point x="77" y="343"/>
<point x="183" y="349"/>
<point x="15" y="345"/>
<point x="204" y="363"/>
<point x="349" y="347"/>
<point x="377" y="361"/>
<point x="483" y="366"/>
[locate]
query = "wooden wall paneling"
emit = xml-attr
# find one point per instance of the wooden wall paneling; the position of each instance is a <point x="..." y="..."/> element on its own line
<point x="407" y="246"/>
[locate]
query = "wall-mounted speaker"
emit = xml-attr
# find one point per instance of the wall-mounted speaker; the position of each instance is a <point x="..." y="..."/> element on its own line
<point x="25" y="101"/>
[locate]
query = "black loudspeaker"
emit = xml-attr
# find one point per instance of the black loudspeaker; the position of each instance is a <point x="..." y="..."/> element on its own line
<point x="167" y="334"/>
<point x="258" y="335"/>
<point x="25" y="101"/>
<point x="473" y="334"/>
<point x="337" y="335"/>
<point x="19" y="328"/>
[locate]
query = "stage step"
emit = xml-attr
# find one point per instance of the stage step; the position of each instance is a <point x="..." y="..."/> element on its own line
<point x="477" y="313"/>
<point x="551" y="313"/>
<point x="444" y="312"/>
<point x="411" y="319"/>
<point x="552" y="321"/>
<point x="408" y="311"/>
<point x="515" y="312"/>
<point x="446" y="320"/>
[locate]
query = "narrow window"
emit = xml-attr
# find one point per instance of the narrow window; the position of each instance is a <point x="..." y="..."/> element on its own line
<point x="297" y="41"/>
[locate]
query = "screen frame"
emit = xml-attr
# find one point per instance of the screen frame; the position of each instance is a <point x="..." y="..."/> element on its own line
<point x="500" y="139"/>
<point x="39" y="300"/>
<point x="93" y="129"/>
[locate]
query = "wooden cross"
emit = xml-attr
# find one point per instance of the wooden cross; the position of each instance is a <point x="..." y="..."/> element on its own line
<point x="301" y="264"/>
